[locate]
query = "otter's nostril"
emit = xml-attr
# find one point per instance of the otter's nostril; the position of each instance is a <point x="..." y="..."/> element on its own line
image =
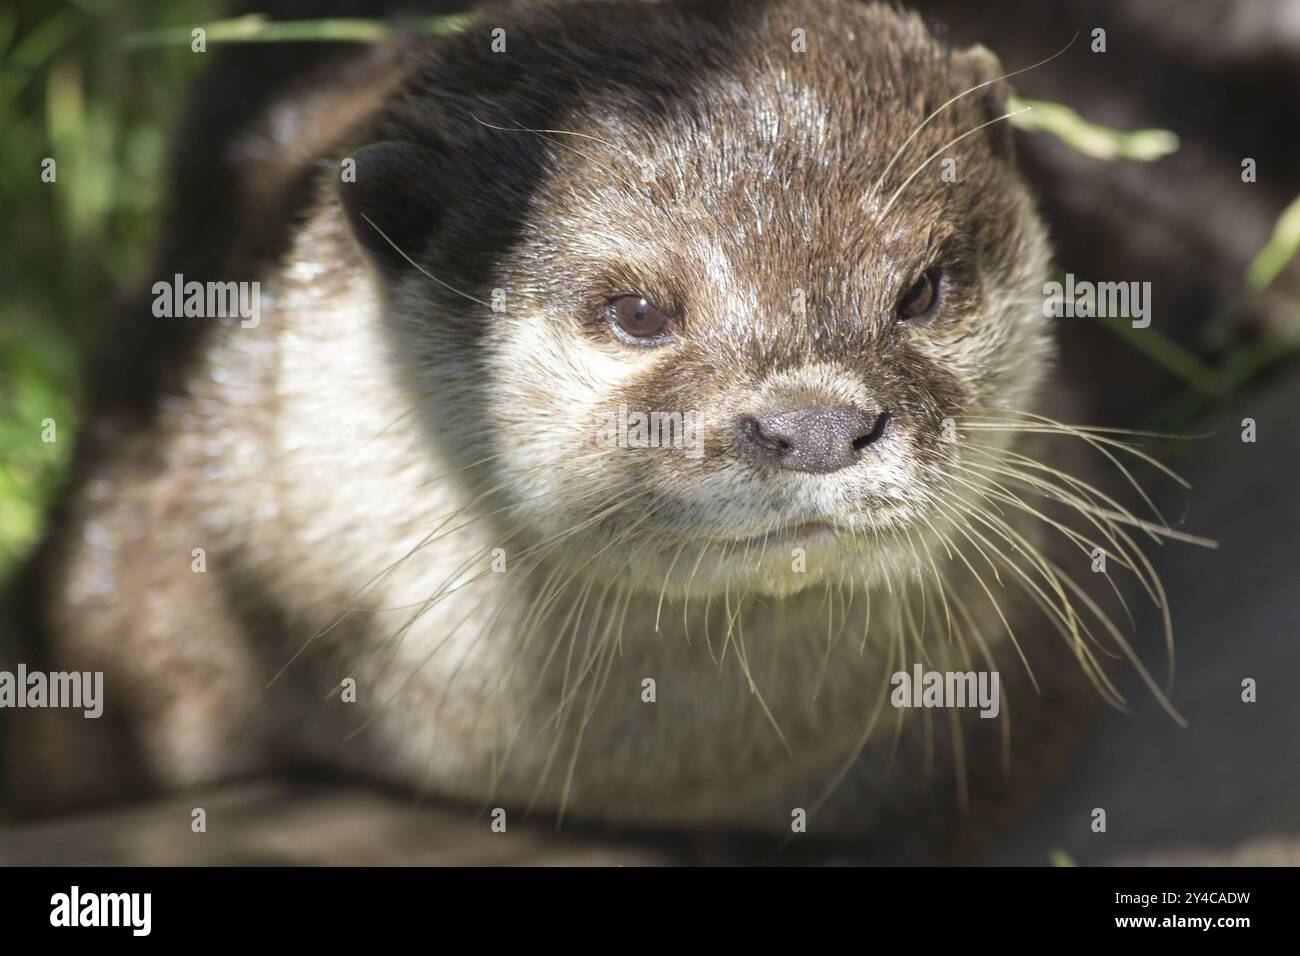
<point x="753" y="430"/>
<point x="878" y="429"/>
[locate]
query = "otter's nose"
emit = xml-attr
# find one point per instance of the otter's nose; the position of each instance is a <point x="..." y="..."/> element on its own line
<point x="817" y="440"/>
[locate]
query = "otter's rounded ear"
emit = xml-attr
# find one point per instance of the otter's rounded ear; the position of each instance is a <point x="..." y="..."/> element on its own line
<point x="392" y="201"/>
<point x="980" y="65"/>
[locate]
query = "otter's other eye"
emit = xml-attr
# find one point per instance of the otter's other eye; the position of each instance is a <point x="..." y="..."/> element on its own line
<point x="920" y="300"/>
<point x="638" y="321"/>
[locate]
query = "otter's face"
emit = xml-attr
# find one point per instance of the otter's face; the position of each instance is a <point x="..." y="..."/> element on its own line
<point x="739" y="328"/>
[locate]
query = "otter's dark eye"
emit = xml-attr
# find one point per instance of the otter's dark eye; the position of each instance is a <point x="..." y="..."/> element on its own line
<point x="638" y="321"/>
<point x="920" y="300"/>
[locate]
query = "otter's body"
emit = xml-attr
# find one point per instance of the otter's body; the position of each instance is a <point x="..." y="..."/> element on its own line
<point x="379" y="532"/>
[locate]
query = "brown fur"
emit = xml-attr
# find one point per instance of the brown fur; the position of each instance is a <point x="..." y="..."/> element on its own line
<point x="765" y="169"/>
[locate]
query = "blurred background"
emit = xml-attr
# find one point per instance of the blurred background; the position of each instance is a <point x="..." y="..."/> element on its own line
<point x="70" y="90"/>
<point x="89" y="83"/>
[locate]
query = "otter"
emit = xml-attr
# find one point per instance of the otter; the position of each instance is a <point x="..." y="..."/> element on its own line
<point x="408" y="525"/>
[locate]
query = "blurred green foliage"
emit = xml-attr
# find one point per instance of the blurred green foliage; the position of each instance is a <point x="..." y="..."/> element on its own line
<point x="71" y="92"/>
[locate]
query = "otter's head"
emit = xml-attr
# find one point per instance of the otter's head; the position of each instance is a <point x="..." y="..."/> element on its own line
<point x="709" y="286"/>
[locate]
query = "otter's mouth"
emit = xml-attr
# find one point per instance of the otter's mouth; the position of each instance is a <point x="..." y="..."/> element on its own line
<point x="807" y="532"/>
